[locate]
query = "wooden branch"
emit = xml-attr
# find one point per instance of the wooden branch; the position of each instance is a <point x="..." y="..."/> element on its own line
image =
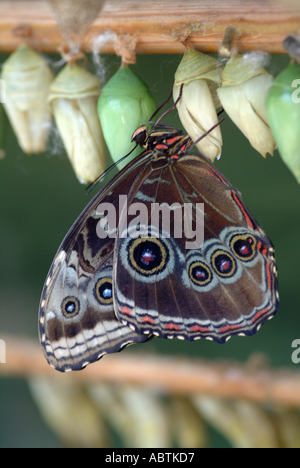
<point x="159" y="26"/>
<point x="173" y="375"/>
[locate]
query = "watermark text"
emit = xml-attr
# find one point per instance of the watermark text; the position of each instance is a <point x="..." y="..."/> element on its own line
<point x="163" y="220"/>
<point x="295" y="94"/>
<point x="2" y="352"/>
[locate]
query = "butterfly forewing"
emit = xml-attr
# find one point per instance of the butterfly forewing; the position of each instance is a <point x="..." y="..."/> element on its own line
<point x="77" y="324"/>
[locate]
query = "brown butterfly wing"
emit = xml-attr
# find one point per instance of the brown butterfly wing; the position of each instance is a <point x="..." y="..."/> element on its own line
<point x="77" y="324"/>
<point x="226" y="287"/>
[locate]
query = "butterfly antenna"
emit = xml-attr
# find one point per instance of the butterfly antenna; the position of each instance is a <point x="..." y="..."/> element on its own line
<point x="171" y="108"/>
<point x="90" y="187"/>
<point x="206" y="133"/>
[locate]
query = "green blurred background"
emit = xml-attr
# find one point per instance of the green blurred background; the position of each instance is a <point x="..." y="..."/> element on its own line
<point x="41" y="198"/>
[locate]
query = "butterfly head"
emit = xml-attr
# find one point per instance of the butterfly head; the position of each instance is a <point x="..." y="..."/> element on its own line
<point x="140" y="136"/>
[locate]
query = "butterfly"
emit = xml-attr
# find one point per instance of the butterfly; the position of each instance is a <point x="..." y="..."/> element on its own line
<point x="123" y="276"/>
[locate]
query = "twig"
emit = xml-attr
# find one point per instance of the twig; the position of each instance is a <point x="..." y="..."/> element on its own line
<point x="160" y="26"/>
<point x="173" y="375"/>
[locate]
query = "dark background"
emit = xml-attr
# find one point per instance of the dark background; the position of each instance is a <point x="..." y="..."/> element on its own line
<point x="40" y="198"/>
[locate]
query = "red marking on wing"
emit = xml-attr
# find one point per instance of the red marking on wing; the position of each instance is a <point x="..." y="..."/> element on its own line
<point x="172" y="326"/>
<point x="269" y="275"/>
<point x="212" y="174"/>
<point x="147" y="319"/>
<point x="260" y="313"/>
<point x="197" y="328"/>
<point x="248" y="219"/>
<point x="228" y="327"/>
<point x="162" y="146"/>
<point x="125" y="310"/>
<point x="263" y="249"/>
<point x="216" y="175"/>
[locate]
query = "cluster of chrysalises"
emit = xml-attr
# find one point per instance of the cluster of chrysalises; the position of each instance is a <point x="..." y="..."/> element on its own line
<point x="264" y="109"/>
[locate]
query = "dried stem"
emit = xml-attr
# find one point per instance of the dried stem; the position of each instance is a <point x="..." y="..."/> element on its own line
<point x="161" y="26"/>
<point x="173" y="375"/>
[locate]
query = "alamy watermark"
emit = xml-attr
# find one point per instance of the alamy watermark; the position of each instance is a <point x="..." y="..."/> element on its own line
<point x="296" y="354"/>
<point x="2" y="352"/>
<point x="2" y="91"/>
<point x="295" y="97"/>
<point x="187" y="220"/>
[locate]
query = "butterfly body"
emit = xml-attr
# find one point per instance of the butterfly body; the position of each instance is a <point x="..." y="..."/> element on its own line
<point x="144" y="278"/>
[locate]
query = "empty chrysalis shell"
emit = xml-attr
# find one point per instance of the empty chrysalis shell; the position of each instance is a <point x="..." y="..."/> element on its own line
<point x="245" y="85"/>
<point x="27" y="78"/>
<point x="200" y="76"/>
<point x="125" y="104"/>
<point x="283" y="108"/>
<point x="73" y="97"/>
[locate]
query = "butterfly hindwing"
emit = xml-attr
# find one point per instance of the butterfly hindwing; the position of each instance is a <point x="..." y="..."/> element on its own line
<point x="226" y="287"/>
